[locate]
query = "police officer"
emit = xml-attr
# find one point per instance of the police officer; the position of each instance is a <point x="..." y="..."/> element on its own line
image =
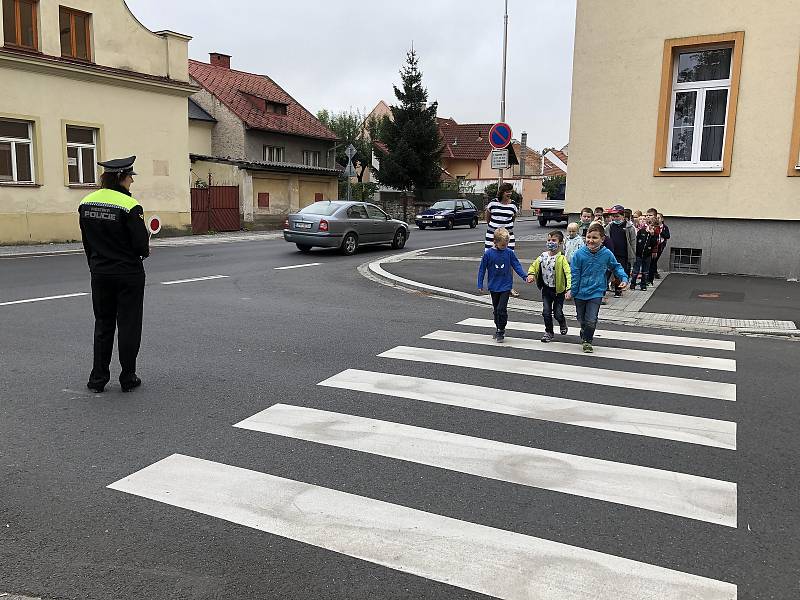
<point x="116" y="242"/>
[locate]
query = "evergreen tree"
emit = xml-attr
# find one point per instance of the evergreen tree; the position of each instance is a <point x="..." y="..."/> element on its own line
<point x="413" y="149"/>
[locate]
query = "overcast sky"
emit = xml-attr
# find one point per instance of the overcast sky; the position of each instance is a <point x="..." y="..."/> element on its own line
<point x="341" y="55"/>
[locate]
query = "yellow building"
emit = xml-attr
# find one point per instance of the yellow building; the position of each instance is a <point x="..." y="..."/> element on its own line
<point x="692" y="108"/>
<point x="80" y="85"/>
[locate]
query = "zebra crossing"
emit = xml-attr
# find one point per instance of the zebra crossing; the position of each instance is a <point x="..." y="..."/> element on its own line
<point x="496" y="562"/>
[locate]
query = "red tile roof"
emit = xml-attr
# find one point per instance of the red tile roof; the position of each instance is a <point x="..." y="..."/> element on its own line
<point x="231" y="87"/>
<point x="551" y="170"/>
<point x="468" y="141"/>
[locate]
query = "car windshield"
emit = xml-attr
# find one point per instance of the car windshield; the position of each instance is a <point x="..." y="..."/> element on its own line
<point x="320" y="208"/>
<point x="444" y="205"/>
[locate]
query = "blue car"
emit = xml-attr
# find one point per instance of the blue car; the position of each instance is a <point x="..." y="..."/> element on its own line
<point x="448" y="214"/>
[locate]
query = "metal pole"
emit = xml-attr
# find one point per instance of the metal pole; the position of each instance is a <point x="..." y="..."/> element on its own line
<point x="503" y="95"/>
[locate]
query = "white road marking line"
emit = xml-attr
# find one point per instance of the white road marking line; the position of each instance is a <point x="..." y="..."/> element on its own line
<point x="45" y="298"/>
<point x="627" y="336"/>
<point x="635" y="421"/>
<point x="486" y="560"/>
<point x="621" y="379"/>
<point x="210" y="277"/>
<point x="680" y="494"/>
<point x="646" y="356"/>
<point x="297" y="266"/>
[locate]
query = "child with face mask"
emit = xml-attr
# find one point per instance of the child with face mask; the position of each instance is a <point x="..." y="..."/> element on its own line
<point x="552" y="275"/>
<point x="623" y="238"/>
<point x="573" y="242"/>
<point x="588" y="275"/>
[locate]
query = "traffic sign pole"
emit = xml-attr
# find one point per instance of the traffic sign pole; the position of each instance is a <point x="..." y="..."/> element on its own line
<point x="503" y="96"/>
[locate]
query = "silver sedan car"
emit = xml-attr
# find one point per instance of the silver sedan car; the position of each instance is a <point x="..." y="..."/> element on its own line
<point x="343" y="225"/>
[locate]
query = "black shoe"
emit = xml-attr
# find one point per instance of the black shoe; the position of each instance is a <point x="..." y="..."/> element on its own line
<point x="617" y="293"/>
<point x="131" y="384"/>
<point x="644" y="288"/>
<point x="96" y="388"/>
<point x="564" y="330"/>
<point x="658" y="275"/>
<point x="501" y="336"/>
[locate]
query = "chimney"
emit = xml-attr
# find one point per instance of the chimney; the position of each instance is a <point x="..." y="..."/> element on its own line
<point x="220" y="60"/>
<point x="522" y="148"/>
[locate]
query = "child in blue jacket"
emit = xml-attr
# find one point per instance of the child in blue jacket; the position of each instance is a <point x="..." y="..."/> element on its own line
<point x="499" y="262"/>
<point x="589" y="267"/>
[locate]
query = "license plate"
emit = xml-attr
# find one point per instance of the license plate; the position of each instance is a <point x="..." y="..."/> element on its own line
<point x="302" y="225"/>
<point x="427" y="222"/>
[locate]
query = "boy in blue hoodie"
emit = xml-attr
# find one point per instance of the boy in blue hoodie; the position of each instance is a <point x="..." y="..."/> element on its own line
<point x="499" y="262"/>
<point x="589" y="267"/>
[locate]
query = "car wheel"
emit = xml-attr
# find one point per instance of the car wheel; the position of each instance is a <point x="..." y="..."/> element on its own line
<point x="399" y="239"/>
<point x="349" y="244"/>
<point x="449" y="224"/>
<point x="421" y="226"/>
<point x="474" y="223"/>
<point x="542" y="222"/>
<point x="305" y="249"/>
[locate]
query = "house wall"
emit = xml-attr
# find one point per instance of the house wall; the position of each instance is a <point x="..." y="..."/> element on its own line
<point x="52" y="97"/>
<point x="294" y="147"/>
<point x="200" y="133"/>
<point x="228" y="134"/>
<point x="616" y="83"/>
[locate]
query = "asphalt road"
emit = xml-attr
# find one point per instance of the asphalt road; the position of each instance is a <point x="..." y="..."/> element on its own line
<point x="217" y="352"/>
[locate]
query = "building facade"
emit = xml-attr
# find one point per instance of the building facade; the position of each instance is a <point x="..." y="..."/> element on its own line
<point x="81" y="84"/>
<point x="260" y="139"/>
<point x="694" y="105"/>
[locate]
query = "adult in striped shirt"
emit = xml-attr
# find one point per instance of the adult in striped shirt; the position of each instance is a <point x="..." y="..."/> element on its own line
<point x="501" y="212"/>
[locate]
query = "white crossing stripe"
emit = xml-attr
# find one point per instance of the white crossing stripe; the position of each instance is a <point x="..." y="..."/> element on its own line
<point x="195" y="279"/>
<point x="658" y="358"/>
<point x="627" y="336"/>
<point x="659" y="490"/>
<point x="297" y="266"/>
<point x="486" y="560"/>
<point x="668" y="426"/>
<point x="30" y="300"/>
<point x="621" y="379"/>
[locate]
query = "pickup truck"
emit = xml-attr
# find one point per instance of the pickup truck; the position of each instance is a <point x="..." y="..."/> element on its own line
<point x="551" y="209"/>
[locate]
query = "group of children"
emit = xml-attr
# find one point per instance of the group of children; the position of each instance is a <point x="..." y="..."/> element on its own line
<point x="613" y="246"/>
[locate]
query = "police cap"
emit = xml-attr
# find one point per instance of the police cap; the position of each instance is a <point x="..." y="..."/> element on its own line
<point x="119" y="165"/>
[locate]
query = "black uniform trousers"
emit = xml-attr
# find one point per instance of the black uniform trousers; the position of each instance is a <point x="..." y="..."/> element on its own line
<point x="118" y="302"/>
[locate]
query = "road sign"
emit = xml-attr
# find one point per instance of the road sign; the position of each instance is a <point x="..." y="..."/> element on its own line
<point x="500" y="135"/>
<point x="349" y="170"/>
<point x="350" y="151"/>
<point x="154" y="224"/>
<point x="499" y="159"/>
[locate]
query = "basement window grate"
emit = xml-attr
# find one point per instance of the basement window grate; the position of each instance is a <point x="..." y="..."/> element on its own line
<point x="685" y="259"/>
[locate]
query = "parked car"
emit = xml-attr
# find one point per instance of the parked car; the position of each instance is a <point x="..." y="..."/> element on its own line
<point x="343" y="225"/>
<point x="448" y="214"/>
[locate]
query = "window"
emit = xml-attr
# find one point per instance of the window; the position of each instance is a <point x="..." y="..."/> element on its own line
<point x="273" y="153"/>
<point x="20" y="23"/>
<point x="74" y="27"/>
<point x="81" y="155"/>
<point x="357" y="212"/>
<point x="685" y="259"/>
<point x="276" y="108"/>
<point x="318" y="197"/>
<point x="311" y="158"/>
<point x="16" y="152"/>
<point x="375" y="213"/>
<point x="697" y="111"/>
<point x="263" y="200"/>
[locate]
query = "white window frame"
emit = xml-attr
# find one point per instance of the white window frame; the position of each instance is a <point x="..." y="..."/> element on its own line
<point x="81" y="147"/>
<point x="700" y="88"/>
<point x="271" y="150"/>
<point x="308" y="155"/>
<point x="14" y="142"/>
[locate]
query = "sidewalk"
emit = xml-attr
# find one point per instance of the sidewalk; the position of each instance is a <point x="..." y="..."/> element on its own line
<point x="451" y="272"/>
<point x="189" y="240"/>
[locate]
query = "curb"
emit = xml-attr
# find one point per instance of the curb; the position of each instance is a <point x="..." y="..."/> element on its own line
<point x="374" y="271"/>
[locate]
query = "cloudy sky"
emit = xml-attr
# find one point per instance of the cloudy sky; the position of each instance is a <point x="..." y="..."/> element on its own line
<point x="341" y="55"/>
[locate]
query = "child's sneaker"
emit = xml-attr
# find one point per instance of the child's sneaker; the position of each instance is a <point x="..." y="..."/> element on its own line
<point x="501" y="336"/>
<point x="547" y="337"/>
<point x="494" y="335"/>
<point x="644" y="288"/>
<point x="587" y="348"/>
<point x="564" y="330"/>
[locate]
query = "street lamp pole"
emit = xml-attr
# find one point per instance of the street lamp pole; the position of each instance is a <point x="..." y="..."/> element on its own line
<point x="503" y="94"/>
